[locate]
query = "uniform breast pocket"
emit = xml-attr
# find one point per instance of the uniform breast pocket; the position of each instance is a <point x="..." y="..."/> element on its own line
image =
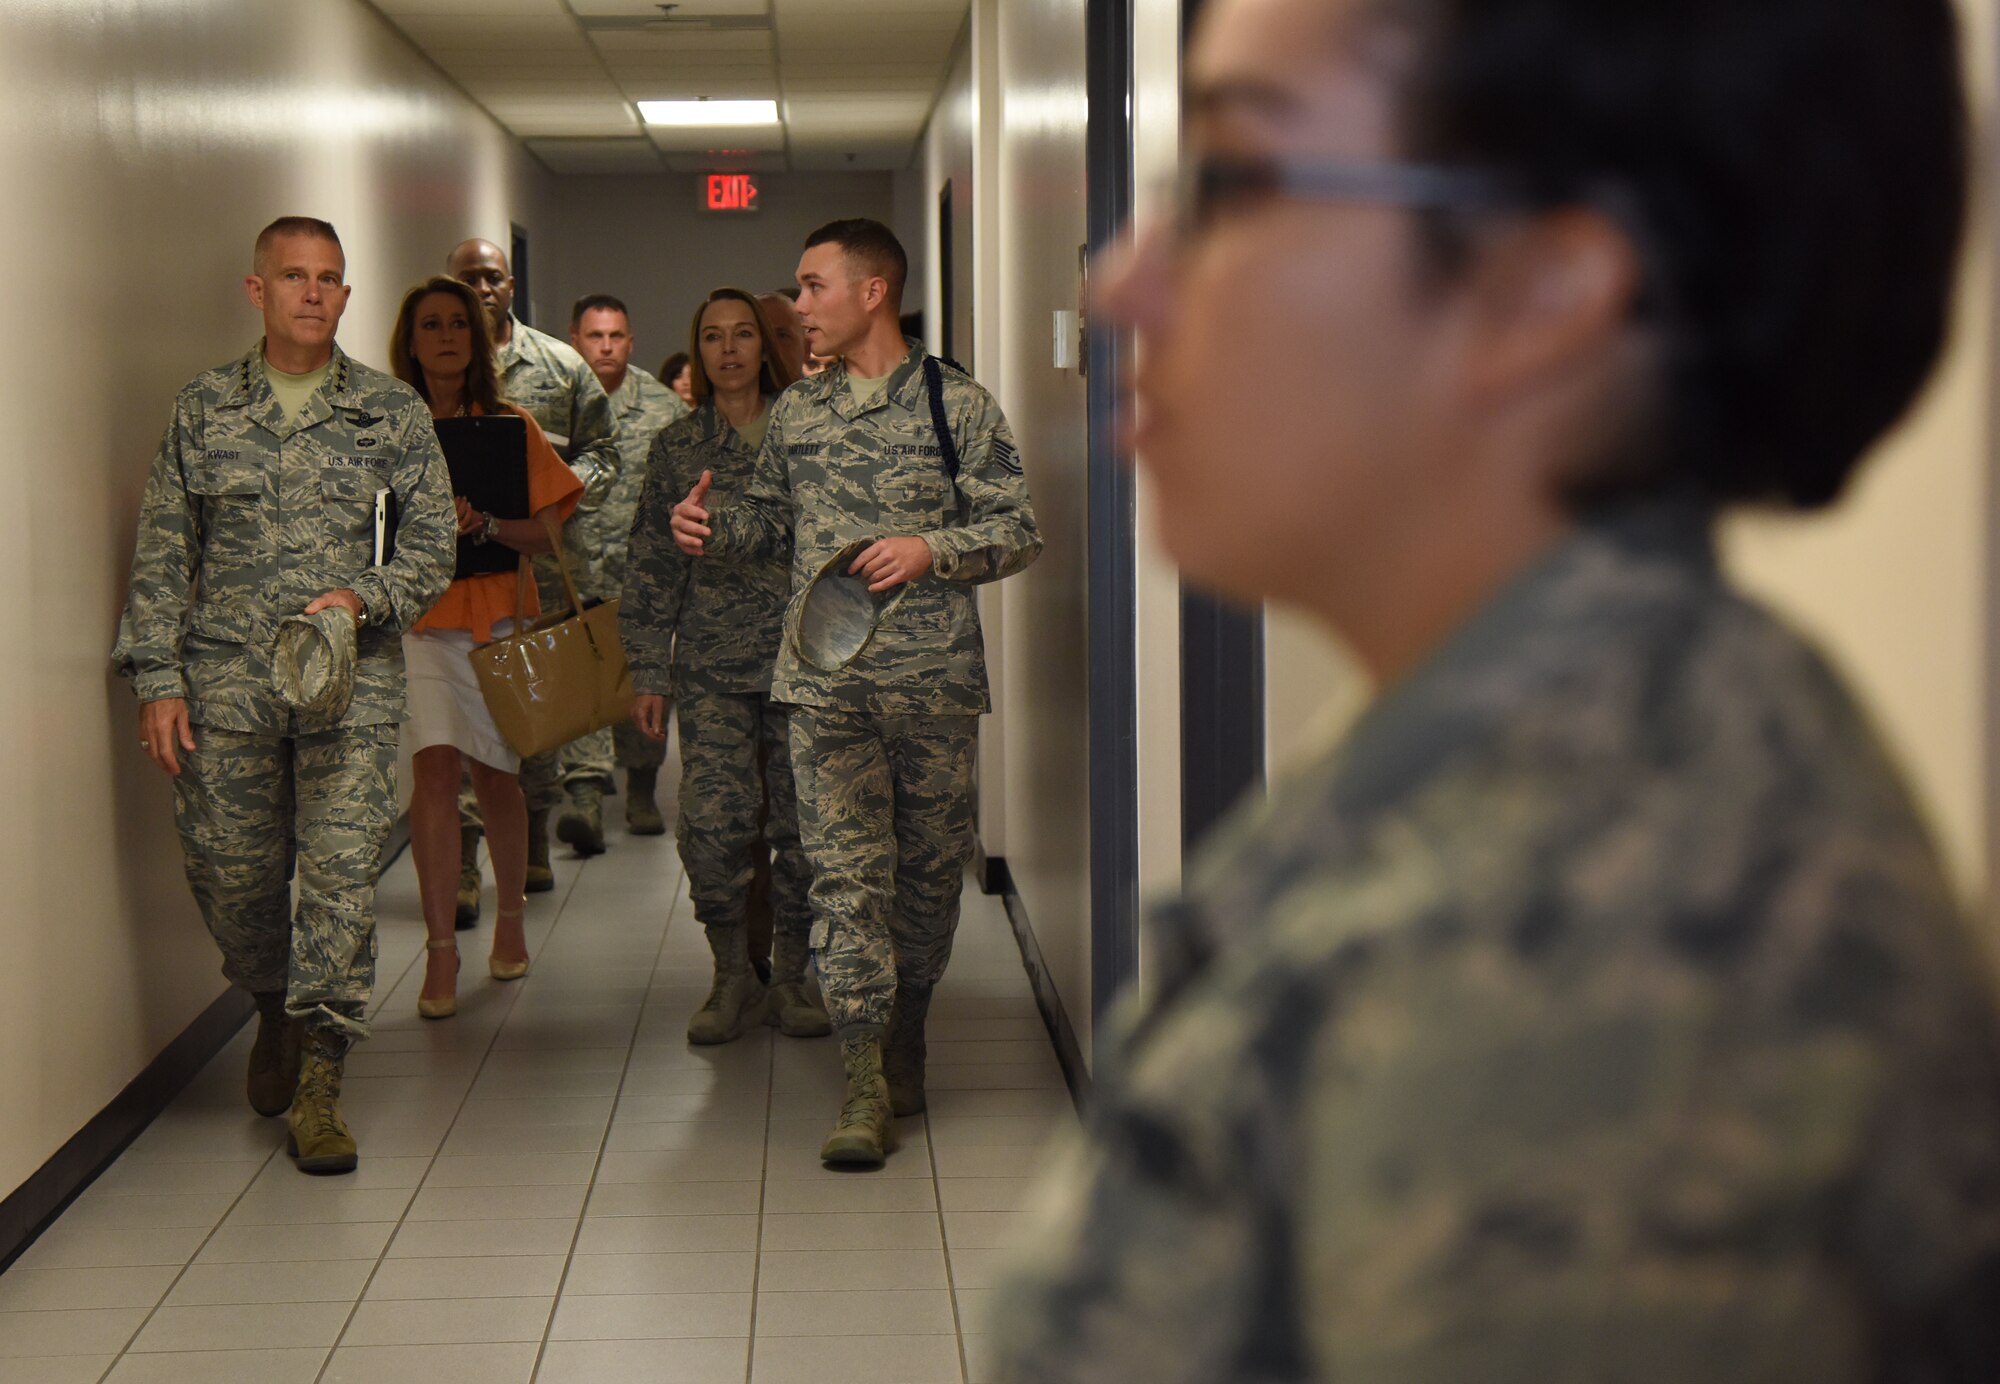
<point x="229" y="496"/>
<point x="917" y="490"/>
<point x="347" y="511"/>
<point x="223" y="483"/>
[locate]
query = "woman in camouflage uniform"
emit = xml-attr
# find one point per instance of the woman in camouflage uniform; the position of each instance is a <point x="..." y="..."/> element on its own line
<point x="727" y="616"/>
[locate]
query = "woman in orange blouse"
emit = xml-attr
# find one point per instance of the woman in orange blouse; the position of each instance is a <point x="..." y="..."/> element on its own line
<point x="441" y="347"/>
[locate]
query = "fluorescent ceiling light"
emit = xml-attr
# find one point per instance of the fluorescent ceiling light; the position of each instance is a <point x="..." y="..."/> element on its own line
<point x="698" y="113"/>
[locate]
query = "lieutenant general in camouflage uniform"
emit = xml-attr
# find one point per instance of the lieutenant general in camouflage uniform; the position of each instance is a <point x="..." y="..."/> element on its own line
<point x="707" y="634"/>
<point x="600" y="329"/>
<point x="549" y="379"/>
<point x="882" y="747"/>
<point x="1597" y="1010"/>
<point x="261" y="505"/>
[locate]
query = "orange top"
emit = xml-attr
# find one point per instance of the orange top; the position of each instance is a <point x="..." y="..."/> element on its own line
<point x="474" y="603"/>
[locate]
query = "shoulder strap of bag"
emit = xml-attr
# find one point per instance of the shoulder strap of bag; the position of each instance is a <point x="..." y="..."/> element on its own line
<point x="934" y="386"/>
<point x="524" y="575"/>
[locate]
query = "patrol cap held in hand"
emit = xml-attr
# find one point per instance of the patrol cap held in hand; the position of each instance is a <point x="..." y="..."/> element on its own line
<point x="312" y="665"/>
<point x="840" y="613"/>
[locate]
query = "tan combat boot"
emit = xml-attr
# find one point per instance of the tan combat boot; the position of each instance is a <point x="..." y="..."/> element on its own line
<point x="319" y="1139"/>
<point x="582" y="826"/>
<point x="274" y="1056"/>
<point x="736" y="1000"/>
<point x="794" y="1008"/>
<point x="642" y="812"/>
<point x="541" y="879"/>
<point x="903" y="1050"/>
<point x="865" y="1134"/>
<point x="468" y="877"/>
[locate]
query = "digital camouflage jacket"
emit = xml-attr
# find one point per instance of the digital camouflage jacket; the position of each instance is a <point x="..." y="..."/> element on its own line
<point x="832" y="471"/>
<point x="1596" y="1011"/>
<point x="699" y="625"/>
<point x="249" y="515"/>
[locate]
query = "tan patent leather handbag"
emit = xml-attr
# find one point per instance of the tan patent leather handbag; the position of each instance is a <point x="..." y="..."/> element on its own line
<point x="559" y="678"/>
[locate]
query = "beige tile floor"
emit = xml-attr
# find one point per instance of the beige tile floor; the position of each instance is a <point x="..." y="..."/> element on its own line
<point x="556" y="1188"/>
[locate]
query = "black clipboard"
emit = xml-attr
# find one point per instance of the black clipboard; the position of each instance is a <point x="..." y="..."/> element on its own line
<point x="488" y="459"/>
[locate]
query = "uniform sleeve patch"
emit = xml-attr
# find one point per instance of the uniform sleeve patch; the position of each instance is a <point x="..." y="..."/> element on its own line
<point x="1008" y="459"/>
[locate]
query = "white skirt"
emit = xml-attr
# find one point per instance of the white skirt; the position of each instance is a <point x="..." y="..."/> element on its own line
<point x="444" y="704"/>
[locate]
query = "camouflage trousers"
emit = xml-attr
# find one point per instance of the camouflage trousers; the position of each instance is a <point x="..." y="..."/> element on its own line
<point x="885" y="813"/>
<point x="587" y="759"/>
<point x="594" y="758"/>
<point x="721" y="801"/>
<point x="250" y="807"/>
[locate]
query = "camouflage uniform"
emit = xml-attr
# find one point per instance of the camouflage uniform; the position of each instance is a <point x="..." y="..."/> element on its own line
<point x="249" y="515"/>
<point x="641" y="408"/>
<point x="882" y="747"/>
<point x="1596" y="1012"/>
<point x="706" y="634"/>
<point x="554" y="384"/>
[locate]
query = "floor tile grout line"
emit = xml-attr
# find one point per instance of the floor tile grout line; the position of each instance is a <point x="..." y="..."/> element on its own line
<point x="944" y="1238"/>
<point x="153" y="1311"/>
<point x="597" y="1166"/>
<point x="347" y="1324"/>
<point x="763" y="1195"/>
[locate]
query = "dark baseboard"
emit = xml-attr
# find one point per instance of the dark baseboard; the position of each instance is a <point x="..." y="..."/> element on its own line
<point x="990" y="871"/>
<point x="996" y="878"/>
<point x="35" y="1204"/>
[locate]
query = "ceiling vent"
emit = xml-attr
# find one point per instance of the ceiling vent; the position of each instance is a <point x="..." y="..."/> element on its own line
<point x="667" y="21"/>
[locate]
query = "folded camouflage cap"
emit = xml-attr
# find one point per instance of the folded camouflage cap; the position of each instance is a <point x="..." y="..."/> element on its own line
<point x="312" y="667"/>
<point x="839" y="614"/>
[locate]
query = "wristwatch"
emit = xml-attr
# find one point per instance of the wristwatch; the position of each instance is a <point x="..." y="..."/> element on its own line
<point x="491" y="530"/>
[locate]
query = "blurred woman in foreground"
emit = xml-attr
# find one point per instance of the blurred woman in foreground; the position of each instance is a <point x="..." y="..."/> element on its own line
<point x="1598" y="1010"/>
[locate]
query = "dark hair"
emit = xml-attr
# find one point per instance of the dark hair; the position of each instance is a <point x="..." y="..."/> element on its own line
<point x="771" y="371"/>
<point x="672" y="366"/>
<point x="591" y="302"/>
<point x="482" y="375"/>
<point x="1793" y="173"/>
<point x="293" y="225"/>
<point x="871" y="245"/>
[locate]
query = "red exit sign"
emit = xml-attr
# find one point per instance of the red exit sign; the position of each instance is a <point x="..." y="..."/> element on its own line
<point x="730" y="192"/>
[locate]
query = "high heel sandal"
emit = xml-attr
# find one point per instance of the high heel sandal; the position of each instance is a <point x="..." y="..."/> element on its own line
<point x="448" y="1006"/>
<point x="506" y="970"/>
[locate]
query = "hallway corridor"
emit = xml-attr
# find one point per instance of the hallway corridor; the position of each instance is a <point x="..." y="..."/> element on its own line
<point x="554" y="1187"/>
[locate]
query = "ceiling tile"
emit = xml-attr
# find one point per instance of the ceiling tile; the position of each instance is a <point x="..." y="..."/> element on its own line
<point x="788" y="10"/>
<point x="686" y="9"/>
<point x="760" y="140"/>
<point x="470" y="11"/>
<point x="691" y="41"/>
<point x="888" y="158"/>
<point x="576" y="156"/>
<point x="725" y="162"/>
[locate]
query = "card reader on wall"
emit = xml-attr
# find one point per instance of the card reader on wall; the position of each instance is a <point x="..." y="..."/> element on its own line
<point x="1065" y="354"/>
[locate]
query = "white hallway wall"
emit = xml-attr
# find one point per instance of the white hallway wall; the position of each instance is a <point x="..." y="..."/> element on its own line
<point x="142" y="145"/>
<point x="648" y="242"/>
<point x="1008" y="132"/>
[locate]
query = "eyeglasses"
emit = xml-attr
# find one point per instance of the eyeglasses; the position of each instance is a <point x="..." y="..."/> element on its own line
<point x="1217" y="185"/>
